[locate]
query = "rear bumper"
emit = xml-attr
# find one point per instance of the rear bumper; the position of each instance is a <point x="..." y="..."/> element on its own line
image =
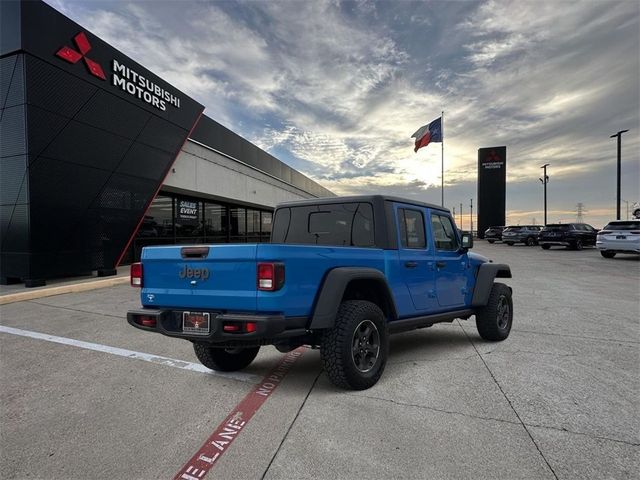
<point x="619" y="246"/>
<point x="269" y="328"/>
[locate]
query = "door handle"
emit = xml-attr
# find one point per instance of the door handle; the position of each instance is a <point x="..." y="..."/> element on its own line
<point x="441" y="264"/>
<point x="411" y="264"/>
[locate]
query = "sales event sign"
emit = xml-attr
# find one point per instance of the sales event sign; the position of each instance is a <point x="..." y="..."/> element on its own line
<point x="187" y="211"/>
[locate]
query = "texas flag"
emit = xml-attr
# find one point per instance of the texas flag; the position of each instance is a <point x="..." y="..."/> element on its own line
<point x="427" y="134"/>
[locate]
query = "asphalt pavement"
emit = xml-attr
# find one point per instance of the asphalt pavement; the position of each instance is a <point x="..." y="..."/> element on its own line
<point x="84" y="395"/>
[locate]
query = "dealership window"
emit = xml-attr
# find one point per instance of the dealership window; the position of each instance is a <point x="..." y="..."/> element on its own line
<point x="238" y="226"/>
<point x="158" y="222"/>
<point x="175" y="219"/>
<point x="253" y="226"/>
<point x="215" y="223"/>
<point x="266" y="221"/>
<point x="188" y="220"/>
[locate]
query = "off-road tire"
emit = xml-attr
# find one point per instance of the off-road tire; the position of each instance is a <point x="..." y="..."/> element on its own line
<point x="545" y="246"/>
<point x="490" y="319"/>
<point x="337" y="344"/>
<point x="530" y="242"/>
<point x="491" y="241"/>
<point x="607" y="253"/>
<point x="225" y="359"/>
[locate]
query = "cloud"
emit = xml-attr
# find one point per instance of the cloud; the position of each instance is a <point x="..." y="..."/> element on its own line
<point x="335" y="89"/>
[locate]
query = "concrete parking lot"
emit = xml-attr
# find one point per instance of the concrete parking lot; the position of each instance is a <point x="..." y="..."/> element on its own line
<point x="557" y="399"/>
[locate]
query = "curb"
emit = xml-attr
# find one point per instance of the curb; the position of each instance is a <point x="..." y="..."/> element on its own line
<point x="71" y="288"/>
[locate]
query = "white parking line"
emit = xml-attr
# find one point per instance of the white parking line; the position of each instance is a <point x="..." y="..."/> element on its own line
<point x="121" y="352"/>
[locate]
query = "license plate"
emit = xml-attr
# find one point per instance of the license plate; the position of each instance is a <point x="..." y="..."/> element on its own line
<point x="621" y="237"/>
<point x="196" y="323"/>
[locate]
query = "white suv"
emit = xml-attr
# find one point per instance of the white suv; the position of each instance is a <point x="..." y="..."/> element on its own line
<point x="619" y="236"/>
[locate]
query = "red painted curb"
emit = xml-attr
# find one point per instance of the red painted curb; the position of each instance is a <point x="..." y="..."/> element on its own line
<point x="224" y="435"/>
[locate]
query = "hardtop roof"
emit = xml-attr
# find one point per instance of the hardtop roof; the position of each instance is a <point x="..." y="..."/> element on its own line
<point x="360" y="198"/>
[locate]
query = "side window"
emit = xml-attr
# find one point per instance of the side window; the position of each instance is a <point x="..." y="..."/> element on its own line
<point x="362" y="226"/>
<point x="444" y="234"/>
<point x="411" y="228"/>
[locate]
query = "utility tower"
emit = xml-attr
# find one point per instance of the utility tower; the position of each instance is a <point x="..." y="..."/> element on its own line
<point x="580" y="211"/>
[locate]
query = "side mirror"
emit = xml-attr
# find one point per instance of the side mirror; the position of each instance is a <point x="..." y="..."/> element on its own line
<point x="467" y="240"/>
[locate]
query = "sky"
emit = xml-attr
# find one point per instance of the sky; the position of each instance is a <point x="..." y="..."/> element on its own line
<point x="336" y="89"/>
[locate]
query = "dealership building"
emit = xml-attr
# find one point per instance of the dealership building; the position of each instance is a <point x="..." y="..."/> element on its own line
<point x="100" y="157"/>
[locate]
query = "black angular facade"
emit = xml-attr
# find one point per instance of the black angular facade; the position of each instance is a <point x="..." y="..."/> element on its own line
<point x="81" y="157"/>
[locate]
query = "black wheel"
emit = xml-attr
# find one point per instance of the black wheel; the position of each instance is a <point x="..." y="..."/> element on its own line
<point x="577" y="245"/>
<point x="545" y="246"/>
<point x="491" y="241"/>
<point x="607" y="253"/>
<point x="531" y="242"/>
<point x="354" y="351"/>
<point x="509" y="243"/>
<point x="225" y="359"/>
<point x="495" y="319"/>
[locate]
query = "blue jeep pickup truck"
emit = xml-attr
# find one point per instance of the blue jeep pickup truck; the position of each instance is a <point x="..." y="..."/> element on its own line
<point x="341" y="274"/>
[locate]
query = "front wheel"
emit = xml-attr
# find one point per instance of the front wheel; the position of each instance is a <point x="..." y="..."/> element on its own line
<point x="607" y="253"/>
<point x="354" y="351"/>
<point x="225" y="359"/>
<point x="495" y="319"/>
<point x="531" y="242"/>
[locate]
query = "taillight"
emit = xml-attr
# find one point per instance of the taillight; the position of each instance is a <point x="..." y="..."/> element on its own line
<point x="270" y="276"/>
<point x="239" y="327"/>
<point x="147" y="321"/>
<point x="136" y="274"/>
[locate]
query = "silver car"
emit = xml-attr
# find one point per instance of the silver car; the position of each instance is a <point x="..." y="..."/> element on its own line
<point x="619" y="236"/>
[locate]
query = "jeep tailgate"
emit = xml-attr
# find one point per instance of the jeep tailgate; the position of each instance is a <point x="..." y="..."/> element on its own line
<point x="215" y="277"/>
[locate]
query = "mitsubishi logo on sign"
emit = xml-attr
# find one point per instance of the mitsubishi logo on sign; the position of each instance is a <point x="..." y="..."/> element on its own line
<point x="73" y="56"/>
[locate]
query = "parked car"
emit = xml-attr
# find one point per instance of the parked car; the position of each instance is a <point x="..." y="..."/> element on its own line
<point x="340" y="274"/>
<point x="619" y="236"/>
<point x="571" y="235"/>
<point x="527" y="234"/>
<point x="493" y="234"/>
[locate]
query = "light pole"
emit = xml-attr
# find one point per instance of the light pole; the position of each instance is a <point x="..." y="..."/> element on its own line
<point x="471" y="214"/>
<point x="619" y="135"/>
<point x="461" y="218"/>
<point x="545" y="180"/>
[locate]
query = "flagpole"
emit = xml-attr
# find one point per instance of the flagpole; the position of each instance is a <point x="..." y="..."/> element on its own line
<point x="442" y="171"/>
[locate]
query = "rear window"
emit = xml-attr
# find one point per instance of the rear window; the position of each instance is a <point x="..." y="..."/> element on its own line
<point x="561" y="228"/>
<point x="630" y="225"/>
<point x="340" y="224"/>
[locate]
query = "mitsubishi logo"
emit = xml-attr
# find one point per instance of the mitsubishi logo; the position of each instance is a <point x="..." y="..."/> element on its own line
<point x="73" y="56"/>
<point x="493" y="157"/>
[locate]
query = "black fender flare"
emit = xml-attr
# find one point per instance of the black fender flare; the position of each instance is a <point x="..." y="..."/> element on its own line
<point x="487" y="273"/>
<point x="332" y="290"/>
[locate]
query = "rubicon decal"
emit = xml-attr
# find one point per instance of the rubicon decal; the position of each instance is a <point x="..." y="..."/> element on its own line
<point x="73" y="56"/>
